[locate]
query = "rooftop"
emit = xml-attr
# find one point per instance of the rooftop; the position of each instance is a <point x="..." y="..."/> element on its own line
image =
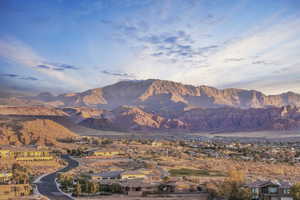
<point x="261" y="183"/>
<point x="109" y="174"/>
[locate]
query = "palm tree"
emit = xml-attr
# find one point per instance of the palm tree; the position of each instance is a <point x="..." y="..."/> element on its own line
<point x="77" y="190"/>
<point x="94" y="187"/>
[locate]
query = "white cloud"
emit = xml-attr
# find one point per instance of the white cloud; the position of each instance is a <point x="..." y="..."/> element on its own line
<point x="16" y="51"/>
<point x="271" y="45"/>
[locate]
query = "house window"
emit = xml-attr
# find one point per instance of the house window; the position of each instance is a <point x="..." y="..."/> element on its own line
<point x="254" y="190"/>
<point x="272" y="190"/>
<point x="286" y="191"/>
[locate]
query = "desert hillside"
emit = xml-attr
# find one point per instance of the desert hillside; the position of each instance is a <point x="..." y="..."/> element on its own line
<point x="31" y="111"/>
<point x="44" y="132"/>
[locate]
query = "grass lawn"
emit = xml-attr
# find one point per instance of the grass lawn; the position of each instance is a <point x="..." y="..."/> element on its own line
<point x="193" y="172"/>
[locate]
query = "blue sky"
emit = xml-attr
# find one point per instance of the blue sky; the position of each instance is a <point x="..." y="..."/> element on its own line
<point x="74" y="45"/>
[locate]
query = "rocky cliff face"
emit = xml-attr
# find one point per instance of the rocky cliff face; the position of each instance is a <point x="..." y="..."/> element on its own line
<point x="211" y="119"/>
<point x="133" y="118"/>
<point x="77" y="114"/>
<point x="232" y="119"/>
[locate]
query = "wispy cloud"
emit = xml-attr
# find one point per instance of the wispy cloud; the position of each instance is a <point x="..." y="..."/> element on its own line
<point x="9" y="75"/>
<point x="175" y="47"/>
<point x="118" y="74"/>
<point x="16" y="76"/>
<point x="29" y="78"/>
<point x="16" y="51"/>
<point x="233" y="59"/>
<point x="43" y="66"/>
<point x="273" y="44"/>
<point x="272" y="47"/>
<point x="263" y="62"/>
<point x="56" y="66"/>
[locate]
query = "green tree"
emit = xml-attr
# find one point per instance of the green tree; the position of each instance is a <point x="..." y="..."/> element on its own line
<point x="77" y="190"/>
<point x="181" y="143"/>
<point x="115" y="188"/>
<point x="232" y="187"/>
<point x="94" y="187"/>
<point x="20" y="174"/>
<point x="66" y="181"/>
<point x="233" y="191"/>
<point x="237" y="176"/>
<point x="104" y="188"/>
<point x="295" y="191"/>
<point x="106" y="141"/>
<point x="85" y="186"/>
<point x="166" y="179"/>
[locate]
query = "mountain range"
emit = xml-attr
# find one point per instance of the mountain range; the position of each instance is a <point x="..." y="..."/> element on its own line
<point x="163" y="106"/>
<point x="156" y="94"/>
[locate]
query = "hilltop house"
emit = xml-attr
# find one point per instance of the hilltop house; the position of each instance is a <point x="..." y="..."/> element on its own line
<point x="157" y="143"/>
<point x="4" y="154"/>
<point x="110" y="175"/>
<point x="122" y="175"/>
<point x="25" y="154"/>
<point x="132" y="187"/>
<point x="104" y="153"/>
<point x="137" y="174"/>
<point x="138" y="187"/>
<point x="270" y="190"/>
<point x="5" y="177"/>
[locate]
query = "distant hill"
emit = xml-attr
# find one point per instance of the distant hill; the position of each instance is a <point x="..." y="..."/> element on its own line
<point x="31" y="111"/>
<point x="32" y="131"/>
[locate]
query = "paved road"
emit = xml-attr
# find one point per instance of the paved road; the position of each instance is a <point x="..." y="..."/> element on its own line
<point x="47" y="186"/>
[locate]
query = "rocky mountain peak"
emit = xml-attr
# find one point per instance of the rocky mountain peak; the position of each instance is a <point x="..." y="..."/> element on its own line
<point x="167" y="96"/>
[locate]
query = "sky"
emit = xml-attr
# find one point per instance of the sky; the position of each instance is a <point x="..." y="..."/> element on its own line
<point x="74" y="45"/>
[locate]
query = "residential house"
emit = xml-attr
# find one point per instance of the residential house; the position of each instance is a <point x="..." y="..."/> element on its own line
<point x="157" y="143"/>
<point x="110" y="175"/>
<point x="5" y="177"/>
<point x="138" y="187"/>
<point x="133" y="187"/>
<point x="25" y="154"/>
<point x="270" y="190"/>
<point x="4" y="154"/>
<point x="137" y="174"/>
<point x="105" y="153"/>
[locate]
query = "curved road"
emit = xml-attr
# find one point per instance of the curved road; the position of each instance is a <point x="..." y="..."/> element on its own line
<point x="47" y="186"/>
